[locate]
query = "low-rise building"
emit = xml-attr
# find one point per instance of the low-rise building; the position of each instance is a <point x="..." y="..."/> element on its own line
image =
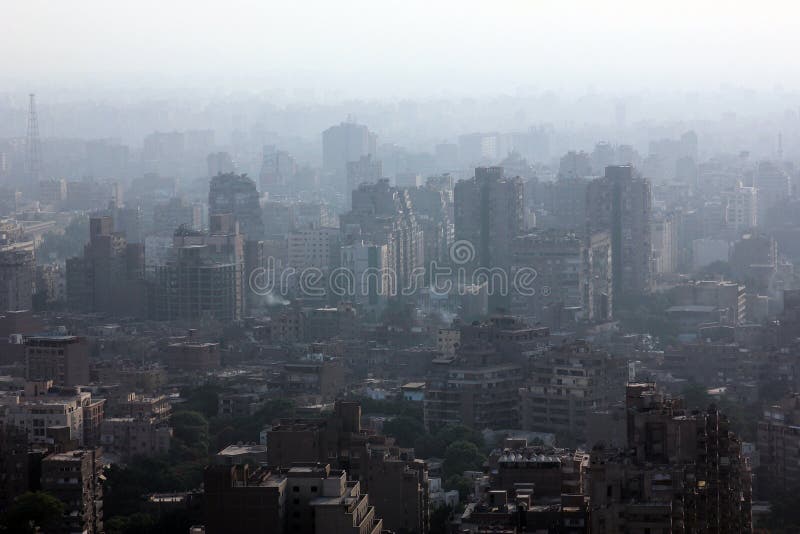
<point x="189" y="356"/>
<point x="128" y="437"/>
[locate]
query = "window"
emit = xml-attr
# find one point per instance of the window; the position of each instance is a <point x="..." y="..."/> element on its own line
<point x="313" y="489"/>
<point x="296" y="489"/>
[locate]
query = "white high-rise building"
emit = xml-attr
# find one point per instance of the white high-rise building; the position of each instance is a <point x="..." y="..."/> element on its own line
<point x="741" y="208"/>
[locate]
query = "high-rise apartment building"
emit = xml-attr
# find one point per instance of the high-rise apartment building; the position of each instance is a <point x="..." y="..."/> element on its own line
<point x="17" y="274"/>
<point x="558" y="259"/>
<point x="205" y="277"/>
<point x="314" y="246"/>
<point x="237" y="194"/>
<point x="620" y="203"/>
<point x="108" y="277"/>
<point x="741" y="208"/>
<point x="343" y="143"/>
<point x="365" y="170"/>
<point x="773" y="185"/>
<point x="664" y="238"/>
<point x="278" y="170"/>
<point x="489" y="213"/>
<point x="384" y="215"/>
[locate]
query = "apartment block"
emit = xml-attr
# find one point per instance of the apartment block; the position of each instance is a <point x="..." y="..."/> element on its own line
<point x="568" y="383"/>
<point x="75" y="478"/>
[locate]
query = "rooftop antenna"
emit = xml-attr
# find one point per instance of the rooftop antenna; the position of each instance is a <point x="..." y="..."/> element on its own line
<point x="33" y="145"/>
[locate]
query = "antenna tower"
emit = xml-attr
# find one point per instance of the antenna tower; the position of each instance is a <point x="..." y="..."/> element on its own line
<point x="33" y="145"/>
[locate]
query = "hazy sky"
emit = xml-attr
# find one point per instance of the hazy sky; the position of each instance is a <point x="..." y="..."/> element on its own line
<point x="396" y="48"/>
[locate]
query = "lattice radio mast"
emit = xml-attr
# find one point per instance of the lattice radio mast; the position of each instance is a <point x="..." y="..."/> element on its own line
<point x="33" y="145"/>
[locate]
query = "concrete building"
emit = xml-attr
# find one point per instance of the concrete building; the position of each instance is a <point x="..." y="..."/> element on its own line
<point x="278" y="170"/>
<point x="52" y="192"/>
<point x="204" y="277"/>
<point x="128" y="437"/>
<point x="364" y="170"/>
<point x="774" y="185"/>
<point x="477" y="388"/>
<point x="433" y="208"/>
<point x="728" y="298"/>
<point x="530" y="489"/>
<point x="314" y="247"/>
<point x="315" y="375"/>
<point x="157" y="408"/>
<point x="62" y="359"/>
<point x="741" y="208"/>
<point x="620" y="203"/>
<point x="170" y="215"/>
<point x="664" y="238"/>
<point x="565" y="203"/>
<point x="17" y="274"/>
<point x="754" y="257"/>
<point x="558" y="259"/>
<point x="489" y="215"/>
<point x="369" y="281"/>
<point x="575" y="165"/>
<point x="191" y="356"/>
<point x="55" y="416"/>
<point x="598" y="299"/>
<point x="343" y="143"/>
<point x="237" y="194"/>
<point x="397" y="483"/>
<point x="304" y="499"/>
<point x="327" y="323"/>
<point x="75" y="479"/>
<point x="109" y="277"/>
<point x="778" y="441"/>
<point x="15" y="478"/>
<point x="566" y="385"/>
<point x="448" y="341"/>
<point x="684" y="471"/>
<point x="384" y="215"/>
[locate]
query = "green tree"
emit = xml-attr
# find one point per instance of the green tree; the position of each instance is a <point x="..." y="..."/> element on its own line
<point x="440" y="520"/>
<point x="203" y="399"/>
<point x="190" y="436"/>
<point x="462" y="456"/>
<point x="451" y="433"/>
<point x="58" y="247"/>
<point x="404" y="429"/>
<point x="138" y="523"/>
<point x="33" y="510"/>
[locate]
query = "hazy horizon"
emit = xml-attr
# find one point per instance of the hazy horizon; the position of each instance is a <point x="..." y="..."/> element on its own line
<point x="391" y="50"/>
